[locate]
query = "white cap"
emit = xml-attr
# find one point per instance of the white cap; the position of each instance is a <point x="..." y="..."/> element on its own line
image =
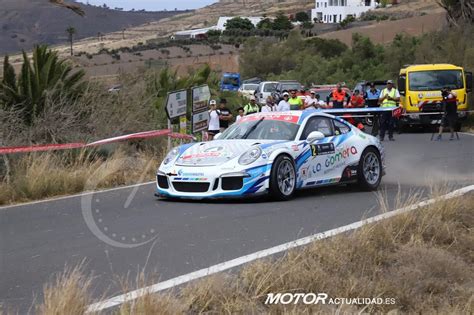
<point x="286" y="94"/>
<point x="213" y="102"/>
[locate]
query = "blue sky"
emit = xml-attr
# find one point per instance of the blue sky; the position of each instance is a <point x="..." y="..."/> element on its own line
<point x="152" y="5"/>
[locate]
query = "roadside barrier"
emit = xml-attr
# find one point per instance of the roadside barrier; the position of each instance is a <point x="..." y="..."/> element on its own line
<point x="78" y="145"/>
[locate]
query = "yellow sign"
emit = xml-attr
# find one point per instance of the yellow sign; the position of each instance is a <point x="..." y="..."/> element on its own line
<point x="182" y="124"/>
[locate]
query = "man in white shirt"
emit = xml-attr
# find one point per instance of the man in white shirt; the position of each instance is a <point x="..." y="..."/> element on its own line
<point x="311" y="102"/>
<point x="269" y="105"/>
<point x="284" y="106"/>
<point x="214" y="126"/>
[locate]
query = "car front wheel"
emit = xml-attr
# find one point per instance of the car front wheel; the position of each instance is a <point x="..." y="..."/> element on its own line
<point x="370" y="169"/>
<point x="283" y="178"/>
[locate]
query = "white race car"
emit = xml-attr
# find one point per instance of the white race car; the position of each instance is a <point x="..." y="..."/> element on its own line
<point x="275" y="153"/>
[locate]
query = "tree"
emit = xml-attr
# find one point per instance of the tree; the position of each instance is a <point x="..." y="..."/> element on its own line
<point x="458" y="11"/>
<point x="239" y="23"/>
<point x="302" y="16"/>
<point x="282" y="22"/>
<point x="71" y="31"/>
<point x="265" y="24"/>
<point x="45" y="77"/>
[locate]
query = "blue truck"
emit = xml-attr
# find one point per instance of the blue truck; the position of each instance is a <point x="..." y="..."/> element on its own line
<point x="230" y="81"/>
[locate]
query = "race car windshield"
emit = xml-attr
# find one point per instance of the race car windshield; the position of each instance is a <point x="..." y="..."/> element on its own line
<point x="262" y="130"/>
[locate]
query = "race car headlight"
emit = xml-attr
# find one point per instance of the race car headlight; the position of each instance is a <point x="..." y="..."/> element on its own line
<point x="250" y="156"/>
<point x="171" y="156"/>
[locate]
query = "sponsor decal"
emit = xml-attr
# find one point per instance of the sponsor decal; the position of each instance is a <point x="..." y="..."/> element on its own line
<point x="304" y="172"/>
<point x="181" y="173"/>
<point x="190" y="179"/>
<point x="362" y="136"/>
<point x="335" y="160"/>
<point x="322" y="149"/>
<point x="201" y="155"/>
<point x="295" y="147"/>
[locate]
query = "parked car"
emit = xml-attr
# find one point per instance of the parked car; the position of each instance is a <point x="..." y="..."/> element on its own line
<point x="248" y="89"/>
<point x="264" y="90"/>
<point x="285" y="86"/>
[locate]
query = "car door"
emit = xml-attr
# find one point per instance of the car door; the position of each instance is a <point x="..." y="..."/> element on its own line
<point x="314" y="172"/>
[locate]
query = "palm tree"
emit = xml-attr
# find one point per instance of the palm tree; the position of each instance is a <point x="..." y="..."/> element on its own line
<point x="71" y="31"/>
<point x="458" y="11"/>
<point x="46" y="77"/>
<point x="75" y="8"/>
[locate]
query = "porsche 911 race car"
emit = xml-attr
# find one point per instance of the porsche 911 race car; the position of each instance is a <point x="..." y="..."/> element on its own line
<point x="273" y="153"/>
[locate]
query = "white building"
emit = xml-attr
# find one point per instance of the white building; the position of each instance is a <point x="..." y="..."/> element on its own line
<point x="334" y="11"/>
<point x="195" y="33"/>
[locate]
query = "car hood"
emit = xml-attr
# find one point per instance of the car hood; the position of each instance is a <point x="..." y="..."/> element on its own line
<point x="217" y="152"/>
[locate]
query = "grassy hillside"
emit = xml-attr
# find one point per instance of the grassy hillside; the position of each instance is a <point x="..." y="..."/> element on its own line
<point x="24" y="23"/>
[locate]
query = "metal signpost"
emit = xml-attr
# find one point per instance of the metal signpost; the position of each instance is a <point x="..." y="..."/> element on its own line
<point x="177" y="104"/>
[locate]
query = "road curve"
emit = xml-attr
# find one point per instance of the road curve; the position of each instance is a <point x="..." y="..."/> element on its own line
<point x="103" y="229"/>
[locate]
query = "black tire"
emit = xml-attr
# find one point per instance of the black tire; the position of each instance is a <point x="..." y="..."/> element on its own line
<point x="366" y="177"/>
<point x="276" y="191"/>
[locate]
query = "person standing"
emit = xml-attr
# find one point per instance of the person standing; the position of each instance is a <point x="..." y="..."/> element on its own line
<point x="295" y="102"/>
<point x="357" y="101"/>
<point x="372" y="100"/>
<point x="311" y="102"/>
<point x="339" y="97"/>
<point x="225" y="115"/>
<point x="213" y="127"/>
<point x="240" y="114"/>
<point x="284" y="106"/>
<point x="251" y="107"/>
<point x="269" y="105"/>
<point x="450" y="115"/>
<point x="389" y="97"/>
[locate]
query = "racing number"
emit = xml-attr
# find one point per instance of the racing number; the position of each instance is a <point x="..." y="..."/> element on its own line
<point x="322" y="149"/>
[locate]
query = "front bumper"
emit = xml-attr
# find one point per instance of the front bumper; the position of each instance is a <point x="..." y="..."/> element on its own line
<point x="212" y="182"/>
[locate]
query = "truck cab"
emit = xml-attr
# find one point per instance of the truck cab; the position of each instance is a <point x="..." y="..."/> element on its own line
<point x="230" y="81"/>
<point x="420" y="90"/>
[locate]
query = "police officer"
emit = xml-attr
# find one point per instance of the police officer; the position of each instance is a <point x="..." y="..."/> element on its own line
<point x="372" y="100"/>
<point x="389" y="97"/>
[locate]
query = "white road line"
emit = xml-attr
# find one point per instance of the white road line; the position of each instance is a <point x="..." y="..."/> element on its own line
<point x="132" y="295"/>
<point x="466" y="133"/>
<point x="74" y="196"/>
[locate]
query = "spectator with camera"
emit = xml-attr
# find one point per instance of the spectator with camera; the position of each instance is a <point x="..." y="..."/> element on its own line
<point x="450" y="112"/>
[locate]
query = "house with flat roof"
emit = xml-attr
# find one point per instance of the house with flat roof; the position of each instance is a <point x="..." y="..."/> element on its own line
<point x="335" y="11"/>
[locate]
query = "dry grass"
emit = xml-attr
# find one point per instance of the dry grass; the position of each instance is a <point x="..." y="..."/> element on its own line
<point x="43" y="175"/>
<point x="424" y="259"/>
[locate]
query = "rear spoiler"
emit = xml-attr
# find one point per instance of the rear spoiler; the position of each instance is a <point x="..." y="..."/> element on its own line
<point x="363" y="112"/>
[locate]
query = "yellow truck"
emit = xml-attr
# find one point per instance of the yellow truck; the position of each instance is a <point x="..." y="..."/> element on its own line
<point x="420" y="90"/>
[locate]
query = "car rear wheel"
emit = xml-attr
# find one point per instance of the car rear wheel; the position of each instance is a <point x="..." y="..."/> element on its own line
<point x="370" y="169"/>
<point x="283" y="178"/>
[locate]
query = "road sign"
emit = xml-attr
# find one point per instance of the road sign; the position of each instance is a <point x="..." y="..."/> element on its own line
<point x="201" y="97"/>
<point x="176" y="104"/>
<point x="200" y="121"/>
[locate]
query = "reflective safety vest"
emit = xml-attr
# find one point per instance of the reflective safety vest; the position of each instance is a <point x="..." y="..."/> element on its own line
<point x="392" y="94"/>
<point x="295" y="103"/>
<point x="249" y="109"/>
<point x="338" y="96"/>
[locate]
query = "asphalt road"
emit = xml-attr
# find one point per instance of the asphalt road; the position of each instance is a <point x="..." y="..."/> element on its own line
<point x="102" y="230"/>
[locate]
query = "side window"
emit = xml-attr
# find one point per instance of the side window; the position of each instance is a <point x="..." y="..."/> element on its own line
<point x="340" y="127"/>
<point x="321" y="124"/>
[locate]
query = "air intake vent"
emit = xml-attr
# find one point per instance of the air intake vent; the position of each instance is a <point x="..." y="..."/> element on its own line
<point x="232" y="183"/>
<point x="191" y="187"/>
<point x="162" y="182"/>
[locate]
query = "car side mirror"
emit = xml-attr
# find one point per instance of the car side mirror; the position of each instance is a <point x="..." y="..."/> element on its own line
<point x="315" y="136"/>
<point x="468" y="81"/>
<point x="402" y="85"/>
<point x="217" y="136"/>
